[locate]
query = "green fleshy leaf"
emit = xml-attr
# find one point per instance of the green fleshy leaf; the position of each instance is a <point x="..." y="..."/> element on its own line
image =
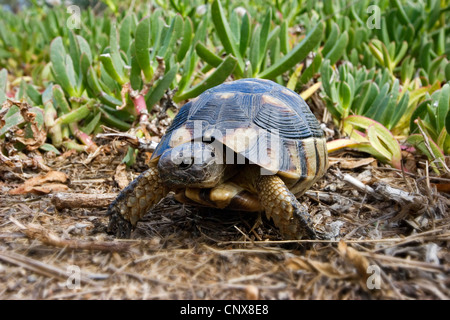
<point x="172" y="35"/>
<point x="130" y="157"/>
<point x="3" y="81"/>
<point x="381" y="140"/>
<point x="443" y="106"/>
<point x="57" y="51"/>
<point x="284" y="37"/>
<point x="295" y="55"/>
<point x="447" y="122"/>
<point x="115" y="56"/>
<point x="90" y="127"/>
<point x="74" y="51"/>
<point x="21" y="93"/>
<point x="369" y="92"/>
<point x="225" y="35"/>
<point x="114" y="121"/>
<point x="135" y="74"/>
<point x="187" y="38"/>
<point x="385" y="113"/>
<point x="326" y="72"/>
<point x="75" y="115"/>
<point x="33" y="94"/>
<point x="345" y="97"/>
<point x="47" y="95"/>
<point x="292" y="83"/>
<point x="312" y="69"/>
<point x="339" y="48"/>
<point x="433" y="153"/>
<point x="379" y="103"/>
<point x="108" y="63"/>
<point x="85" y="48"/>
<point x="125" y="33"/>
<point x="399" y="111"/>
<point x="222" y="72"/>
<point x="85" y="64"/>
<point x="70" y="71"/>
<point x="339" y="144"/>
<point x="160" y="87"/>
<point x="384" y="142"/>
<point x="402" y="16"/>
<point x="254" y="50"/>
<point x="263" y="36"/>
<point x="244" y="40"/>
<point x="142" y="43"/>
<point x="49" y="147"/>
<point x="208" y="56"/>
<point x="419" y="112"/>
<point x="97" y="89"/>
<point x="447" y="72"/>
<point x="332" y="39"/>
<point x="12" y="118"/>
<point x="401" y="53"/>
<point x="443" y="141"/>
<point x="425" y="55"/>
<point x="234" y="26"/>
<point x="59" y="100"/>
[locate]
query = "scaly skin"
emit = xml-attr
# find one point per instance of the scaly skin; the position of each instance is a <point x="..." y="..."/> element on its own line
<point x="288" y="214"/>
<point x="135" y="201"/>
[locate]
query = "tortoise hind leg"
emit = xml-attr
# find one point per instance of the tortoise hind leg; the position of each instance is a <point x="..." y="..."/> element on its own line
<point x="288" y="214"/>
<point x="134" y="201"/>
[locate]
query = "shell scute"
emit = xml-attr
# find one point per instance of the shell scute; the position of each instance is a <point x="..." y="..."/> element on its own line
<point x="266" y="123"/>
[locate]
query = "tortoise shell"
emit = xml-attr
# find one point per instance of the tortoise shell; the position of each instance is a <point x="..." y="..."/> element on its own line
<point x="264" y="122"/>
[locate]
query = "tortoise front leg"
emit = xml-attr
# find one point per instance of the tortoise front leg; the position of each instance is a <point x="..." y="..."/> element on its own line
<point x="288" y="214"/>
<point x="135" y="201"/>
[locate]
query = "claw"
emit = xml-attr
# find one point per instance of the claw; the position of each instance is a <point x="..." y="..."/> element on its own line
<point x="118" y="225"/>
<point x="303" y="221"/>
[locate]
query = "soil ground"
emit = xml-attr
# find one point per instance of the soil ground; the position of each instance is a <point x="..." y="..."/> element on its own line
<point x="379" y="246"/>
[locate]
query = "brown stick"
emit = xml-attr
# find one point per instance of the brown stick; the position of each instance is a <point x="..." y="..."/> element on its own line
<point x="39" y="267"/>
<point x="47" y="237"/>
<point x="63" y="200"/>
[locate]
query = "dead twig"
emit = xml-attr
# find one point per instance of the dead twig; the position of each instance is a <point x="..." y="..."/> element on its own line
<point x="138" y="143"/>
<point x="34" y="231"/>
<point x="406" y="263"/>
<point x="41" y="268"/>
<point x="417" y="203"/>
<point x="357" y="184"/>
<point x="62" y="200"/>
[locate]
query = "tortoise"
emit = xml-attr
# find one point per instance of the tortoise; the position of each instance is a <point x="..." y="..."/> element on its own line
<point x="250" y="145"/>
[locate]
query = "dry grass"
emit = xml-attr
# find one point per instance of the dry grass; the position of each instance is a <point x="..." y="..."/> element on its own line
<point x="182" y="252"/>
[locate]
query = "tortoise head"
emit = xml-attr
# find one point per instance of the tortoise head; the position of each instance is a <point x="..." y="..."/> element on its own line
<point x="192" y="164"/>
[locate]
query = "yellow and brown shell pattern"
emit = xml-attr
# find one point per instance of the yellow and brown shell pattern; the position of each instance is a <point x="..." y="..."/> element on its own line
<point x="260" y="120"/>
